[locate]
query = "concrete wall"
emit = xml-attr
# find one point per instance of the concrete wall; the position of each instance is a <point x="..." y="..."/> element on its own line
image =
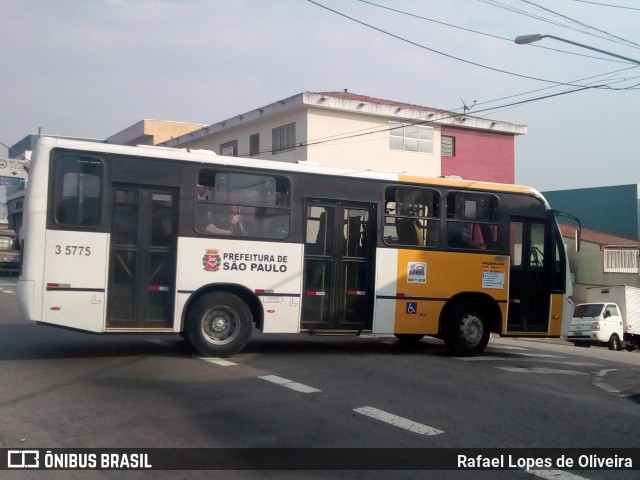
<point x="337" y="125"/>
<point x="243" y="130"/>
<point x="369" y="151"/>
<point x="318" y="126"/>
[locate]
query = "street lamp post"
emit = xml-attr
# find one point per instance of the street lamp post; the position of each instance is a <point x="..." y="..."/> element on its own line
<point x="524" y="39"/>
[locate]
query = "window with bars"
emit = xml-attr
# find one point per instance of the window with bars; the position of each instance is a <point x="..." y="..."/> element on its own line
<point x="621" y="260"/>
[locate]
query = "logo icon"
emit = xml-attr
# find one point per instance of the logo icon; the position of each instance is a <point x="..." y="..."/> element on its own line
<point x="23" y="459"/>
<point x="417" y="272"/>
<point x="412" y="308"/>
<point x="211" y="260"/>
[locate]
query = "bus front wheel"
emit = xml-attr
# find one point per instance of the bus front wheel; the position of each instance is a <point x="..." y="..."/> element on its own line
<point x="466" y="331"/>
<point x="219" y="324"/>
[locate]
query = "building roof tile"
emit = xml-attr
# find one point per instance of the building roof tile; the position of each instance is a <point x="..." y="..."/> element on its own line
<point x="599" y="238"/>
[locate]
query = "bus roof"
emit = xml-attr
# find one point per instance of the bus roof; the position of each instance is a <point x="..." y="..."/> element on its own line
<point x="210" y="157"/>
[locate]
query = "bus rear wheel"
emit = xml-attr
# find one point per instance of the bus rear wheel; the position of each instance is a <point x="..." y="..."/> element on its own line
<point x="219" y="324"/>
<point x="466" y="330"/>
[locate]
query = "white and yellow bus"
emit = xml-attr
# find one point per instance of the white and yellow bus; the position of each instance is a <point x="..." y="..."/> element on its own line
<point x="149" y="239"/>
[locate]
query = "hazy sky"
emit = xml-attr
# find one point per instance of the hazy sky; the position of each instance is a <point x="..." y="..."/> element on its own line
<point x="91" y="68"/>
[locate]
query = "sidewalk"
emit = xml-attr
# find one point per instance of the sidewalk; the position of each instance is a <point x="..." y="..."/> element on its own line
<point x="556" y="341"/>
<point x="623" y="381"/>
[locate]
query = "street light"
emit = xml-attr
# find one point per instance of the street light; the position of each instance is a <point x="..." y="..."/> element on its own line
<point x="534" y="37"/>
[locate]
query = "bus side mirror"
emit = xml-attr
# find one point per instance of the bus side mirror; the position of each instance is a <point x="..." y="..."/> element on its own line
<point x="578" y="240"/>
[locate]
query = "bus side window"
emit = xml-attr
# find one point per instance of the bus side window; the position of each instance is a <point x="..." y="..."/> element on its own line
<point x="472" y="221"/>
<point x="412" y="217"/>
<point x="77" y="192"/>
<point x="240" y="204"/>
<point x="319" y="246"/>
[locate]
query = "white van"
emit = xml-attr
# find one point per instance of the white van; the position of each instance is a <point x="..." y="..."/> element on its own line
<point x="596" y="324"/>
<point x="610" y="317"/>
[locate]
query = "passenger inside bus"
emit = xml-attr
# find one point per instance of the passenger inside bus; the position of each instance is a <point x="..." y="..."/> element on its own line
<point x="409" y="231"/>
<point x="458" y="236"/>
<point x="229" y="224"/>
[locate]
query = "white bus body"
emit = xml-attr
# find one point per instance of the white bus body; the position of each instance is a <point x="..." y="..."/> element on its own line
<point x="112" y="244"/>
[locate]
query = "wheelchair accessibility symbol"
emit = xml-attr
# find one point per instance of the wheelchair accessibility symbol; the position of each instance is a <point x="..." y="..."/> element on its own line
<point x="412" y="307"/>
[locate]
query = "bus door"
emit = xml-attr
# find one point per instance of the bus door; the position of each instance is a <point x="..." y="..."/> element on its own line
<point x="530" y="276"/>
<point x="338" y="266"/>
<point x="142" y="258"/>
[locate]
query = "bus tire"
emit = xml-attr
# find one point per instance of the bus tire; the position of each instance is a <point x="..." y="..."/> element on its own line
<point x="219" y="324"/>
<point x="614" y="342"/>
<point x="466" y="330"/>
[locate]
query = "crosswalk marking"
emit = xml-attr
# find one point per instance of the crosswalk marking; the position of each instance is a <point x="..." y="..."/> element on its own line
<point x="218" y="361"/>
<point x="555" y="475"/>
<point x="298" y="387"/>
<point x="398" y="421"/>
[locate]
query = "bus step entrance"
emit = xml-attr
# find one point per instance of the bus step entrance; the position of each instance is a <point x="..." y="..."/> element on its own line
<point x="333" y="333"/>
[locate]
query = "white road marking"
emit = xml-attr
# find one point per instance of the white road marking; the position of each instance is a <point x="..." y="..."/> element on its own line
<point x="298" y="387"/>
<point x="218" y="361"/>
<point x="606" y="388"/>
<point x="597" y="381"/>
<point x="554" y="475"/>
<point x="512" y="359"/>
<point x="398" y="421"/>
<point x="540" y="355"/>
<point x="541" y="370"/>
<point x="490" y="358"/>
<point x="506" y="347"/>
<point x="580" y="364"/>
<point x="487" y="358"/>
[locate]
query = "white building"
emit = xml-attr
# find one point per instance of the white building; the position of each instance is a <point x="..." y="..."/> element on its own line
<point x="354" y="131"/>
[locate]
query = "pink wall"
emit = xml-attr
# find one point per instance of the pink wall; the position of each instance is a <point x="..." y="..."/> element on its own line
<point x="480" y="155"/>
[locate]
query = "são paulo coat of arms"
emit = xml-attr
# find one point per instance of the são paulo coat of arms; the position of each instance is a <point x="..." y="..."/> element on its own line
<point x="211" y="260"/>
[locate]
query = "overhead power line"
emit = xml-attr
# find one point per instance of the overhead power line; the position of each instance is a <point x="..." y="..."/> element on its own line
<point x="506" y="39"/>
<point x="495" y="109"/>
<point x="578" y="22"/>
<point x="600" y="4"/>
<point x="549" y="87"/>
<point x="442" y="53"/>
<point x="510" y="8"/>
<point x="376" y="130"/>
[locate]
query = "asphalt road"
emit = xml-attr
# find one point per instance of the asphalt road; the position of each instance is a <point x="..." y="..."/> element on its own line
<point x="67" y="389"/>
